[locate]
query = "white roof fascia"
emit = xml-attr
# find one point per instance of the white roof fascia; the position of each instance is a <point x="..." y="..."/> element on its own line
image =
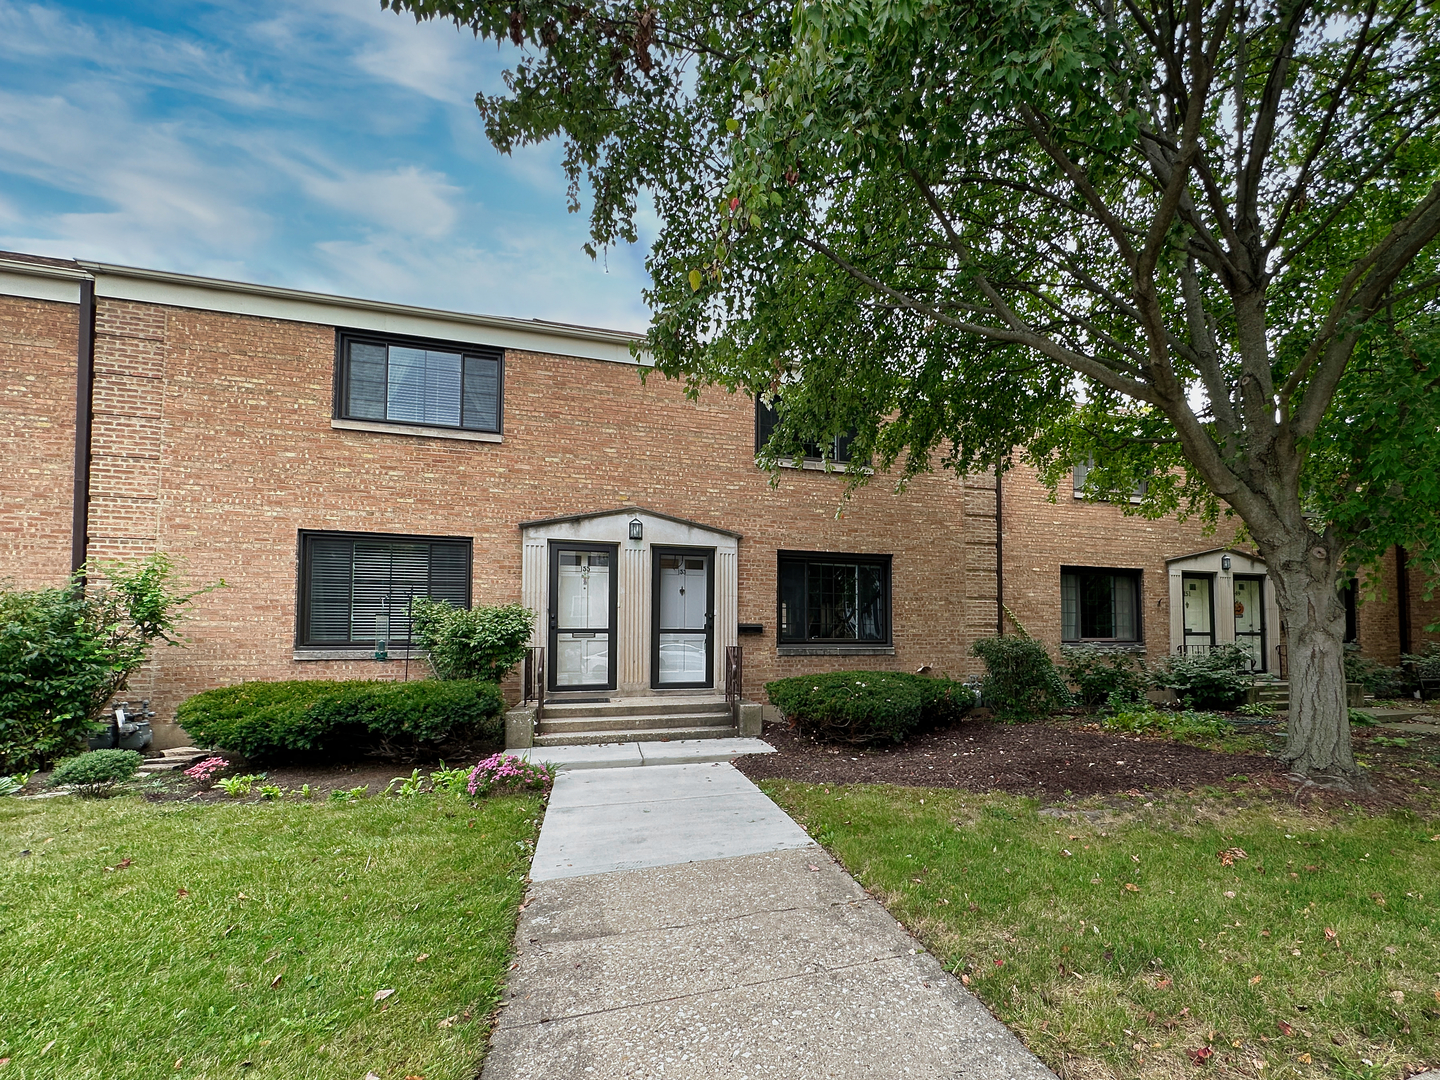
<point x="297" y="305"/>
<point x="37" y="281"/>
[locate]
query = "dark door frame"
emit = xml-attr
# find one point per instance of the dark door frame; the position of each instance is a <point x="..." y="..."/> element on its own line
<point x="1184" y="577"/>
<point x="655" y="628"/>
<point x="1264" y="628"/>
<point x="553" y="614"/>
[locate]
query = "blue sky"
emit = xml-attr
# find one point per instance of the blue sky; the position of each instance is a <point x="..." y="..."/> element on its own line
<point x="322" y="145"/>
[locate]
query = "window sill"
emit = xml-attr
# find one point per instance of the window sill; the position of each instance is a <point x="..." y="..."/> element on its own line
<point x="1113" y="646"/>
<point x="365" y="653"/>
<point x="835" y="650"/>
<point x="416" y="430"/>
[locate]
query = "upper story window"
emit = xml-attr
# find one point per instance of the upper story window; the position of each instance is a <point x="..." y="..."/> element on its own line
<point x="355" y="588"/>
<point x="767" y="418"/>
<point x="1081" y="472"/>
<point x="830" y="599"/>
<point x="427" y="384"/>
<point x="1099" y="605"/>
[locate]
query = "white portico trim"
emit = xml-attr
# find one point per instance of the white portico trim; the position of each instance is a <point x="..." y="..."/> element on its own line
<point x="583" y="567"/>
<point x="1223" y="596"/>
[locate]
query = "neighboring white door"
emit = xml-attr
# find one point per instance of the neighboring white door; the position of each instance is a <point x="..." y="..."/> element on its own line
<point x="1198" y="612"/>
<point x="582" y="611"/>
<point x="684" y="599"/>
<point x="1250" y="618"/>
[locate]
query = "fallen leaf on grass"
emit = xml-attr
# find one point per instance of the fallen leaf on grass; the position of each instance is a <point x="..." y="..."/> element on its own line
<point x="123" y="864"/>
<point x="1255" y="979"/>
<point x="1130" y="886"/>
<point x="1229" y="895"/>
<point x="1286" y="1029"/>
<point x="1304" y="1059"/>
<point x="180" y="894"/>
<point x="48" y="1045"/>
<point x="1200" y="1056"/>
<point x="1165" y="983"/>
<point x="1330" y="935"/>
<point x="964" y="980"/>
<point x="1397" y="996"/>
<point x="1229" y="855"/>
<point x="275" y="982"/>
<point x="448" y="1022"/>
<point x="381" y="995"/>
<point x="422" y="958"/>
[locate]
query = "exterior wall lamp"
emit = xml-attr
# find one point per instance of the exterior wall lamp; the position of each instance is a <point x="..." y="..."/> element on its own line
<point x="637" y="529"/>
<point x="1224" y="559"/>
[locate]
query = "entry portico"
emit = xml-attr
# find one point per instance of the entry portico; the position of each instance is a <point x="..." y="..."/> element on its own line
<point x="630" y="602"/>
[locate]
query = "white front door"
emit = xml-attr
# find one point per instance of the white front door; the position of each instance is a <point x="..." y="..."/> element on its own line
<point x="582" y="617"/>
<point x="683" y="618"/>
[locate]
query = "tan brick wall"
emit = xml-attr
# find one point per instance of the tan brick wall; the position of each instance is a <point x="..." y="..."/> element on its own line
<point x="1042" y="536"/>
<point x="217" y="448"/>
<point x="1378" y="615"/>
<point x="37" y="439"/>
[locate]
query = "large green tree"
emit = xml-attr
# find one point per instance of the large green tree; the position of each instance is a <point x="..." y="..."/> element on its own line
<point x="1195" y="241"/>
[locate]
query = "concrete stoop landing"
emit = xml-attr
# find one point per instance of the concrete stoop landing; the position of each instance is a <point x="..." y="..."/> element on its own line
<point x="178" y="757"/>
<point x="640" y="719"/>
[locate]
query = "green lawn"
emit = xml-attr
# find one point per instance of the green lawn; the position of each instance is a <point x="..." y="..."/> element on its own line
<point x="1119" y="947"/>
<point x="250" y="939"/>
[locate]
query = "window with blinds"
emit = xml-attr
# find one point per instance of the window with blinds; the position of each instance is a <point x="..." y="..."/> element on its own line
<point x="426" y="384"/>
<point x="1099" y="605"/>
<point x="355" y="588"/>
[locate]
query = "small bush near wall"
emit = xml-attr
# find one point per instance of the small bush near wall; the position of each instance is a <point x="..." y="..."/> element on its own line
<point x="1216" y="679"/>
<point x="868" y="706"/>
<point x="1103" y="675"/>
<point x="65" y="652"/>
<point x="1021" y="681"/>
<point x="479" y="643"/>
<point x="319" y="717"/>
<point x="1379" y="681"/>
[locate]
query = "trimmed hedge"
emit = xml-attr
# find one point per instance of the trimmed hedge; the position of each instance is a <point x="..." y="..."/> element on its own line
<point x="868" y="706"/>
<point x="96" y="772"/>
<point x="311" y="717"/>
<point x="1021" y="682"/>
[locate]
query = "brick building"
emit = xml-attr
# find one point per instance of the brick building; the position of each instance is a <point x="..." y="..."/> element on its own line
<point x="330" y="457"/>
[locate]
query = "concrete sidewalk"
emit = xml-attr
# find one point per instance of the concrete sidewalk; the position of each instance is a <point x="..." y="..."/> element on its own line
<point x="740" y="950"/>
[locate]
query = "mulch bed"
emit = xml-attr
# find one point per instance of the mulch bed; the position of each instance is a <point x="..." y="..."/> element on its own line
<point x="1052" y="760"/>
<point x="1023" y="759"/>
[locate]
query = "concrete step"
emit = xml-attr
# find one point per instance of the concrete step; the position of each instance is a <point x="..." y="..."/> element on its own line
<point x="633" y="735"/>
<point x="178" y="757"/>
<point x="549" y="725"/>
<point x="560" y="709"/>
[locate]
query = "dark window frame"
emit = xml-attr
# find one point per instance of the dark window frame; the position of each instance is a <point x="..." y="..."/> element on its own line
<point x="839" y="445"/>
<point x="1134" y="573"/>
<point x="885" y="562"/>
<point x="344" y="338"/>
<point x="304" y="542"/>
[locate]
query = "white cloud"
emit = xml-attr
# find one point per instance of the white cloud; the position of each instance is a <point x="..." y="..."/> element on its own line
<point x="326" y="145"/>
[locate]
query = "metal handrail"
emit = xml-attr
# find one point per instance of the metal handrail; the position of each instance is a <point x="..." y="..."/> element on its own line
<point x="532" y="679"/>
<point x="734" y="674"/>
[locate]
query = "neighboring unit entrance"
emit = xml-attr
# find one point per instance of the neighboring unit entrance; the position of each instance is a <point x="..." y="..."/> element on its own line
<point x="1198" y="612"/>
<point x="1250" y="618"/>
<point x="682" y="624"/>
<point x="582" y="616"/>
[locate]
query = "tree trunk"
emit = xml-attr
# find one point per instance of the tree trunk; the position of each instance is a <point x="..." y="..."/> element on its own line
<point x="1304" y="573"/>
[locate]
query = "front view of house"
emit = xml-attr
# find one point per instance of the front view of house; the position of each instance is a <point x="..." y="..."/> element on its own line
<point x="331" y="458"/>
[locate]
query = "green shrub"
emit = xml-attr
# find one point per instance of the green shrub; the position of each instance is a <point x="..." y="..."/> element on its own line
<point x="1021" y="681"/>
<point x="481" y="643"/>
<point x="96" y="772"/>
<point x="1379" y="681"/>
<point x="65" y="652"/>
<point x="1187" y="726"/>
<point x="868" y="706"/>
<point x="1424" y="664"/>
<point x="1216" y="679"/>
<point x="317" y="717"/>
<point x="1102" y="675"/>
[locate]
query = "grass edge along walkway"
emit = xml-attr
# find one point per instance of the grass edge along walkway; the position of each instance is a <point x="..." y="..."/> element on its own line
<point x="257" y="939"/>
<point x="1177" y="936"/>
